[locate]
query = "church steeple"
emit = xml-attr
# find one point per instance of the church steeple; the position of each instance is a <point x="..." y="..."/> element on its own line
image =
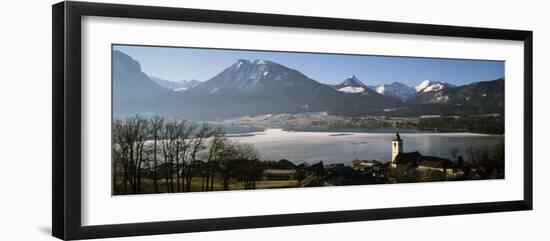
<point x="396" y="146"/>
<point x="397" y="136"/>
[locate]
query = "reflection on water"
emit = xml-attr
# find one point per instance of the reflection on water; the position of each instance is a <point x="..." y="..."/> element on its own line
<point x="334" y="147"/>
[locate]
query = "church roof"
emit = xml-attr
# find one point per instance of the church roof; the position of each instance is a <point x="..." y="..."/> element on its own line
<point x="436" y="162"/>
<point x="416" y="159"/>
<point x="408" y="157"/>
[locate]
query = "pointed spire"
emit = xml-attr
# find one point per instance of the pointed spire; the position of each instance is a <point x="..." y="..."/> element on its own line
<point x="397" y="136"/>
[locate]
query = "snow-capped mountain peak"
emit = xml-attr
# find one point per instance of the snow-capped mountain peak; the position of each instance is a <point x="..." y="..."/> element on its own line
<point x="246" y="73"/>
<point x="353" y="81"/>
<point x="428" y="86"/>
<point x="352" y="89"/>
<point x="242" y="62"/>
<point x="352" y="85"/>
<point x="423" y="85"/>
<point x="253" y="75"/>
<point x="396" y="89"/>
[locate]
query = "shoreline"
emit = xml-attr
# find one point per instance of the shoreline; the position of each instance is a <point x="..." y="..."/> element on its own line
<point x="338" y="133"/>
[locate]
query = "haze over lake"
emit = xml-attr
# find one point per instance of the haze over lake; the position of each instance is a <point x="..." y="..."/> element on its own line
<point x="336" y="147"/>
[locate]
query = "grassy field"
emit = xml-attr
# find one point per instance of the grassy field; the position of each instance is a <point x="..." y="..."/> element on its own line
<point x="196" y="185"/>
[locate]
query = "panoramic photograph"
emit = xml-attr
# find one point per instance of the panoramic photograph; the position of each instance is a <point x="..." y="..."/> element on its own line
<point x="203" y="119"/>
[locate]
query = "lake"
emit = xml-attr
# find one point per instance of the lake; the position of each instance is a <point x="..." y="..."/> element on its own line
<point x="343" y="147"/>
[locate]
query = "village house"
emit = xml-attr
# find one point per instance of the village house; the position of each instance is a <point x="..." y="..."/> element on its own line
<point x="278" y="174"/>
<point x="364" y="164"/>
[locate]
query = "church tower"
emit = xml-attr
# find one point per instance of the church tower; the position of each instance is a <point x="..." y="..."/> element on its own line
<point x="396" y="146"/>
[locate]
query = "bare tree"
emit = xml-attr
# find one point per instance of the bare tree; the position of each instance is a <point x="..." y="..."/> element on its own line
<point x="498" y="151"/>
<point x="227" y="160"/>
<point x="454" y="153"/>
<point x="196" y="145"/>
<point x="129" y="136"/>
<point x="168" y="145"/>
<point x="212" y="153"/>
<point x="246" y="151"/>
<point x="250" y="167"/>
<point x="470" y="152"/>
<point x="156" y="124"/>
<point x="117" y="166"/>
<point x="139" y="132"/>
<point x="182" y="130"/>
<point x="120" y="151"/>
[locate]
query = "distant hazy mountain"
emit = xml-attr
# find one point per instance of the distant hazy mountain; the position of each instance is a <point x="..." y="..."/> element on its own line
<point x="181" y="85"/>
<point x="428" y="86"/>
<point x="184" y="85"/>
<point x="396" y="89"/>
<point x="133" y="90"/>
<point x="130" y="81"/>
<point x="167" y="84"/>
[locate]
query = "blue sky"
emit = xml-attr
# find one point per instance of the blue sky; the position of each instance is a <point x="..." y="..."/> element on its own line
<point x="174" y="64"/>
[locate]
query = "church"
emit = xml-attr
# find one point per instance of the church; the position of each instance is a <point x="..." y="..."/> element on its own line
<point x="416" y="160"/>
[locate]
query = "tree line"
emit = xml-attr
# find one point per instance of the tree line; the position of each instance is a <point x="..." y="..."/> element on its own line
<point x="178" y="156"/>
<point x="476" y="124"/>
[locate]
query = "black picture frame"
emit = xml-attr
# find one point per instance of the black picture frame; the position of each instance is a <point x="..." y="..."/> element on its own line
<point x="66" y="128"/>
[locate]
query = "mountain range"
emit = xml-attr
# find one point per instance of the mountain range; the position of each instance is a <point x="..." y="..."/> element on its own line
<point x="396" y="89"/>
<point x="252" y="87"/>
